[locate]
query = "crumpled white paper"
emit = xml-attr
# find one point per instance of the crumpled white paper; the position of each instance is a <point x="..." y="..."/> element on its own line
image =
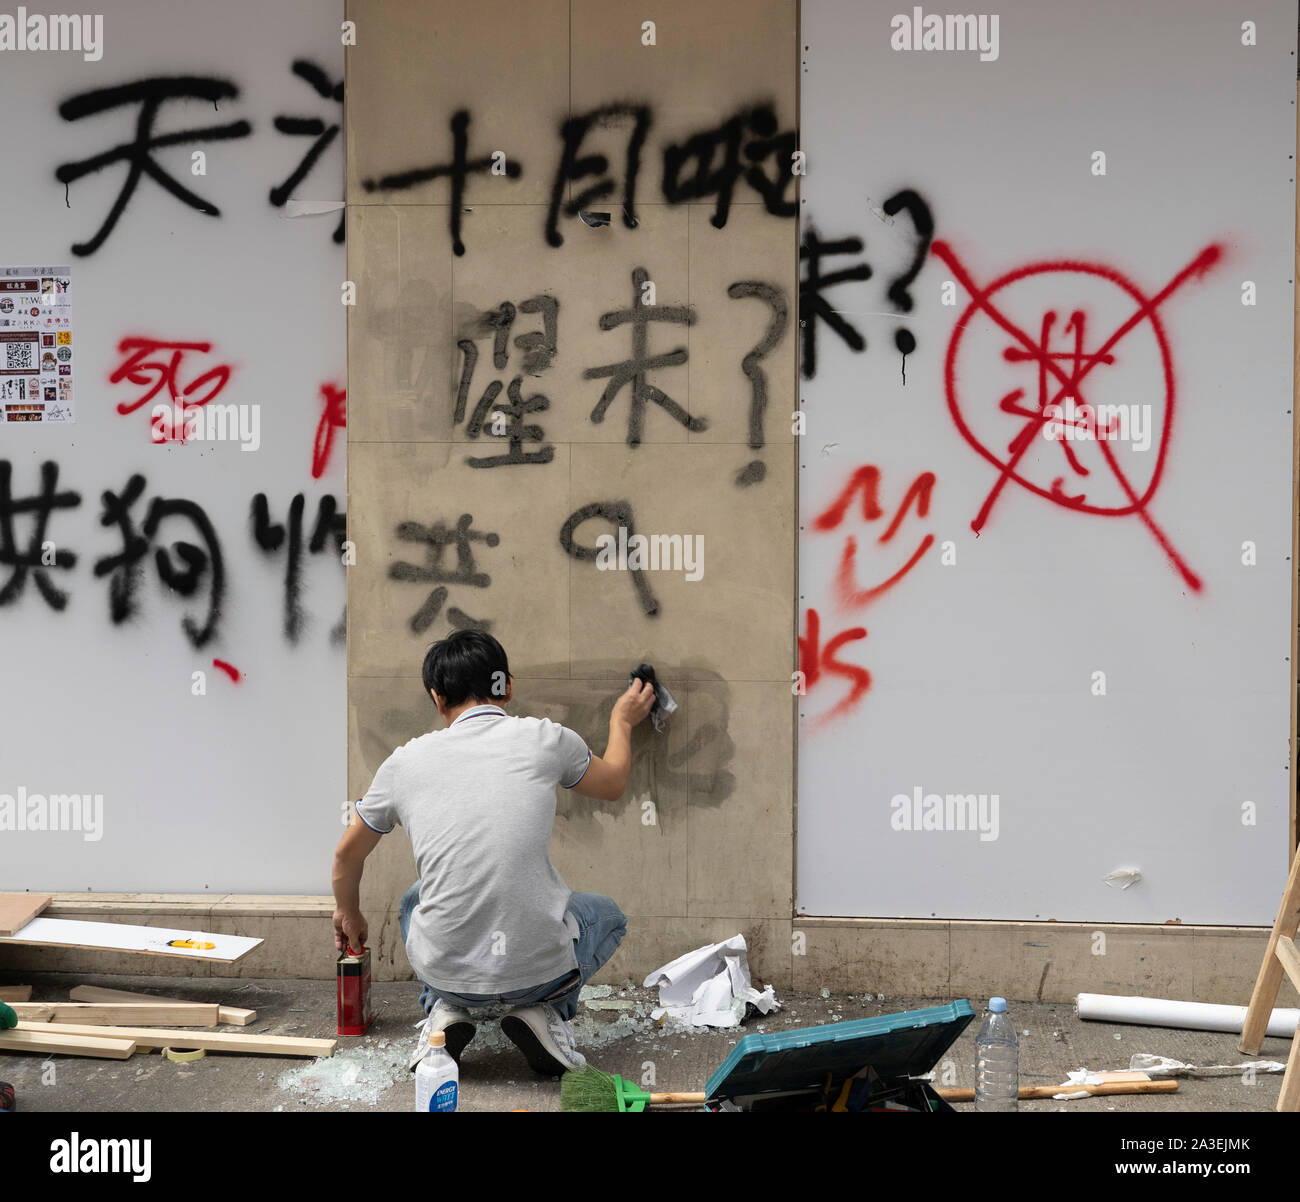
<point x="709" y="987"/>
<point x="1164" y="1066"/>
<point x="1077" y="1078"/>
<point x="1157" y="1067"/>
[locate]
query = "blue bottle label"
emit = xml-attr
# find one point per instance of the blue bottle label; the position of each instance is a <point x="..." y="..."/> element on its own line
<point x="444" y="1097"/>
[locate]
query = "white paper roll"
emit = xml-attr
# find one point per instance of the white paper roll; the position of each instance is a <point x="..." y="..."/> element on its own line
<point x="1191" y="1016"/>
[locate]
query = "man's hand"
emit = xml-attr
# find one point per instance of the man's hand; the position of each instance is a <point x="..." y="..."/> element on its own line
<point x="634" y="705"/>
<point x="358" y="841"/>
<point x="350" y="930"/>
<point x="607" y="776"/>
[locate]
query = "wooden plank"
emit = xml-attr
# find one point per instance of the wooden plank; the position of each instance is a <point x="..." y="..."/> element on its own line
<point x="210" y="1041"/>
<point x="1290" y="957"/>
<point x="1264" y="994"/>
<point x="15" y="993"/>
<point x="33" y="1012"/>
<point x="44" y="1039"/>
<point x="233" y="1015"/>
<point x="18" y="909"/>
<point x="122" y="937"/>
<point x="1288" y="1100"/>
<point x="153" y="1014"/>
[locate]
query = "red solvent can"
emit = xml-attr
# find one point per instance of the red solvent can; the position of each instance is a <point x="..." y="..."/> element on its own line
<point x="354" y="992"/>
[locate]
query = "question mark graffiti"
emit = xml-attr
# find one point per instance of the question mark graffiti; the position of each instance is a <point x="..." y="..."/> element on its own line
<point x="900" y="297"/>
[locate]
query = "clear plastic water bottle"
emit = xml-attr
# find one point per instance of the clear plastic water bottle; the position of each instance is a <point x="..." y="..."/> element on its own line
<point x="997" y="1061"/>
<point x="437" y="1080"/>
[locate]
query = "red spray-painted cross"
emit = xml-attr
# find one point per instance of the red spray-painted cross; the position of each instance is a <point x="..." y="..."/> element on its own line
<point x="1061" y="375"/>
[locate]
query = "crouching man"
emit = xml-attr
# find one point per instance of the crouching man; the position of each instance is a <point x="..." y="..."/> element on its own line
<point x="490" y="923"/>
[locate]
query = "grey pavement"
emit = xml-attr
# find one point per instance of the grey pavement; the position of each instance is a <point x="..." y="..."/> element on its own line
<point x="615" y="1031"/>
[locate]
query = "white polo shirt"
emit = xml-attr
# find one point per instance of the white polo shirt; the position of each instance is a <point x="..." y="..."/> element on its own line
<point x="478" y="802"/>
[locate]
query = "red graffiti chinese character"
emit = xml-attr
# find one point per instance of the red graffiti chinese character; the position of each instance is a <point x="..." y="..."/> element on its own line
<point x="334" y="416"/>
<point x="866" y="480"/>
<point x="155" y="364"/>
<point x="816" y="659"/>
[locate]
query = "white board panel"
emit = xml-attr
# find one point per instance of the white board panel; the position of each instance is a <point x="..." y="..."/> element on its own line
<point x="123" y="937"/>
<point x="236" y="788"/>
<point x="1093" y="632"/>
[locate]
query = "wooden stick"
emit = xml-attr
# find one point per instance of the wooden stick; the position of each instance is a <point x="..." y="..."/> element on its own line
<point x="48" y="1040"/>
<point x="15" y="993"/>
<point x="1030" y="1092"/>
<point x="234" y="1015"/>
<point x="154" y="1014"/>
<point x="210" y="1041"/>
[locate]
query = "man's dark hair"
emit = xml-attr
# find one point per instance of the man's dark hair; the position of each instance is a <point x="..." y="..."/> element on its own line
<point x="466" y="665"/>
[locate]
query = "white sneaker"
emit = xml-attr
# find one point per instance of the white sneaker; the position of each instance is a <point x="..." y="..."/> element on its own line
<point x="455" y="1024"/>
<point x="544" y="1038"/>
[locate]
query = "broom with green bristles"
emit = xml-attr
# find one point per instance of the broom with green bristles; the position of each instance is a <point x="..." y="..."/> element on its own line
<point x="594" y="1092"/>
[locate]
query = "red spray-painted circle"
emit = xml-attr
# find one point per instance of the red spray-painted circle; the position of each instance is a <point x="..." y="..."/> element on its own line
<point x="1148" y="317"/>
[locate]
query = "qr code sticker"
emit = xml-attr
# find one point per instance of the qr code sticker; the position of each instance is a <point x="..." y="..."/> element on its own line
<point x="18" y="356"/>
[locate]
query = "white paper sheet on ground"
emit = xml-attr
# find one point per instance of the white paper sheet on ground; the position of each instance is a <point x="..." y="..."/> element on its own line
<point x="710" y="986"/>
<point x="120" y="937"/>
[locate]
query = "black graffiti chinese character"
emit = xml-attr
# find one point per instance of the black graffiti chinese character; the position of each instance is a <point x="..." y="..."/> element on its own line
<point x="331" y="525"/>
<point x="538" y="346"/>
<point x="574" y="166"/>
<point x="436" y="539"/>
<point x="780" y="148"/>
<point x="718" y="165"/>
<point x="813" y="305"/>
<point x="309" y="127"/>
<point x="619" y="515"/>
<point x="633" y="371"/>
<point x="457" y="171"/>
<point x="537" y="349"/>
<point x="507" y="421"/>
<point x="150" y="94"/>
<point x="181" y="568"/>
<point x="37" y="558"/>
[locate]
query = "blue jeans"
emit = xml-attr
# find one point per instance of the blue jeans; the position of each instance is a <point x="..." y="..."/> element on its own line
<point x="601" y="927"/>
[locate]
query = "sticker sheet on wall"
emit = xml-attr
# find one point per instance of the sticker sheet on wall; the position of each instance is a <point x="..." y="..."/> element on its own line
<point x="36" y="345"/>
